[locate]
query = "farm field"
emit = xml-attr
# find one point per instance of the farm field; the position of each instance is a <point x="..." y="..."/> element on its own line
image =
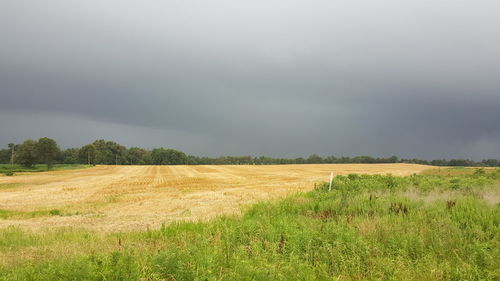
<point x="121" y="198"/>
<point x="440" y="225"/>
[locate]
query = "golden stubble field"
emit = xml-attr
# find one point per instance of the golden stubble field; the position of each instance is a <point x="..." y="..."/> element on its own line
<point x="121" y="198"/>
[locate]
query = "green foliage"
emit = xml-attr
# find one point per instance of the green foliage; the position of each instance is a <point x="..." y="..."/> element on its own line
<point x="112" y="153"/>
<point x="138" y="156"/>
<point x="87" y="154"/>
<point x="10" y="169"/>
<point x="27" y="154"/>
<point x="55" y="212"/>
<point x="480" y="171"/>
<point x="162" y="156"/>
<point x="366" y="228"/>
<point x="108" y="152"/>
<point x="69" y="156"/>
<point x="116" y="266"/>
<point x="356" y="182"/>
<point x="5" y="155"/>
<point x="46" y="151"/>
<point x="10" y="214"/>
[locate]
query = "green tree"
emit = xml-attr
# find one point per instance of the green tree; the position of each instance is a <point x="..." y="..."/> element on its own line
<point x="87" y="154"/>
<point x="491" y="162"/>
<point x="46" y="151"/>
<point x="109" y="153"/>
<point x="162" y="156"/>
<point x="12" y="148"/>
<point x="27" y="153"/>
<point x="69" y="156"/>
<point x="4" y="156"/>
<point x="136" y="156"/>
<point x="314" y="159"/>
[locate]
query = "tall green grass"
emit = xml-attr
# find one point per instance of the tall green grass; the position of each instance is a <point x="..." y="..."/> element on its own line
<point x="366" y="228"/>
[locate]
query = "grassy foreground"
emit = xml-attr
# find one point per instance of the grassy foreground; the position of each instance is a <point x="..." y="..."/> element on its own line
<point x="422" y="227"/>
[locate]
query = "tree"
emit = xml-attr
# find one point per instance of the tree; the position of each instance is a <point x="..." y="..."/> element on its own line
<point x="109" y="153"/>
<point x="87" y="154"/>
<point x="491" y="162"/>
<point x="136" y="156"/>
<point x="69" y="156"/>
<point x="299" y="160"/>
<point x="162" y="156"/>
<point x="46" y="150"/>
<point x="393" y="159"/>
<point x="27" y="153"/>
<point x="4" y="156"/>
<point x="314" y="159"/>
<point x="461" y="162"/>
<point x="12" y="148"/>
<point x="440" y="162"/>
<point x="159" y="156"/>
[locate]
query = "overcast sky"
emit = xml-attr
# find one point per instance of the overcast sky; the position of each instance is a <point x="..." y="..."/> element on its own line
<point x="261" y="77"/>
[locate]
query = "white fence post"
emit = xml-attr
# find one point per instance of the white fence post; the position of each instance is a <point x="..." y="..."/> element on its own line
<point x="331" y="179"/>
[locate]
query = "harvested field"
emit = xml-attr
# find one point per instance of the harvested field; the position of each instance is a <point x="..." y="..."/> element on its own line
<point x="119" y="198"/>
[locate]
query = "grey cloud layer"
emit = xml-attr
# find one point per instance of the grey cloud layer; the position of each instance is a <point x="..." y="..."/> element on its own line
<point x="230" y="77"/>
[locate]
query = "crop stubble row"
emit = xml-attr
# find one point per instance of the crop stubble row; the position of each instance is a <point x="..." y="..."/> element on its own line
<point x="111" y="198"/>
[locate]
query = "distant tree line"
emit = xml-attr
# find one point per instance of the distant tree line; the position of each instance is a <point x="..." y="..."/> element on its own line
<point x="46" y="151"/>
<point x="31" y="152"/>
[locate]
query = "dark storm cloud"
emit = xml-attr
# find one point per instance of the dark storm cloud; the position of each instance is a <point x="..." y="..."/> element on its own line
<point x="260" y="77"/>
